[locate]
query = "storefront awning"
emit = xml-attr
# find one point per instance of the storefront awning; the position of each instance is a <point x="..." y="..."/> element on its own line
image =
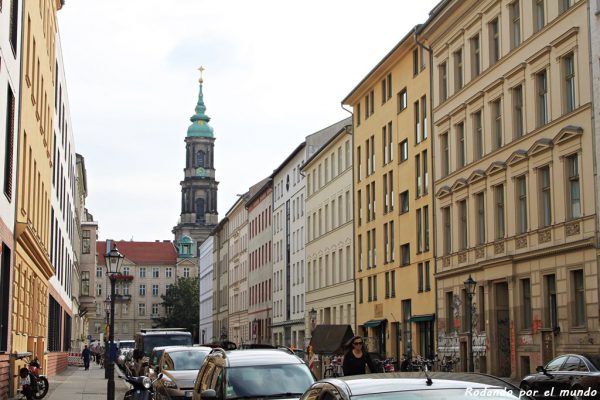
<point x="423" y="318"/>
<point x="374" y="323"/>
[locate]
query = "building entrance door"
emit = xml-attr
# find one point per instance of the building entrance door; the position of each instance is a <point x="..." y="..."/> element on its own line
<point x="502" y="366"/>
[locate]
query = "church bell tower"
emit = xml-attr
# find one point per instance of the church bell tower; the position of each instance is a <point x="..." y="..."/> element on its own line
<point x="198" y="187"/>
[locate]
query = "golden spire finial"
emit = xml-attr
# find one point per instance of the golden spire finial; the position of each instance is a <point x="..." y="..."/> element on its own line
<point x="201" y="69"/>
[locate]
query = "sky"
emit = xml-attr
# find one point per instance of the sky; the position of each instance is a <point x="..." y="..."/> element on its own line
<point x="275" y="72"/>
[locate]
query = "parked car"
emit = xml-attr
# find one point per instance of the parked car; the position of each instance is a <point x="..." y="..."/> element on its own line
<point x="413" y="386"/>
<point x="252" y="373"/>
<point x="178" y="367"/>
<point x="147" y="339"/>
<point x="154" y="359"/>
<point x="568" y="376"/>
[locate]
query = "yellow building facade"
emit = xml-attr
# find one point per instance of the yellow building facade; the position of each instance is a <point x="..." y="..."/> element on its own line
<point x="514" y="181"/>
<point x="393" y="224"/>
<point x="32" y="267"/>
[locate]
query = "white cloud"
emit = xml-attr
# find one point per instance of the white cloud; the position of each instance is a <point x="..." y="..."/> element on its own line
<point x="276" y="71"/>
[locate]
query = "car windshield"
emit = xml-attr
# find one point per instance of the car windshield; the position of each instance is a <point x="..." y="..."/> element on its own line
<point x="152" y="341"/>
<point x="184" y="360"/>
<point x="268" y="380"/>
<point x="445" y="394"/>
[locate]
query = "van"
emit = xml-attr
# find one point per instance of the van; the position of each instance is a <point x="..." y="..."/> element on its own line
<point x="148" y="339"/>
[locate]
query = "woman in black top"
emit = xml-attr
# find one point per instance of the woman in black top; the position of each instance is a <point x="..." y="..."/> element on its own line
<point x="357" y="358"/>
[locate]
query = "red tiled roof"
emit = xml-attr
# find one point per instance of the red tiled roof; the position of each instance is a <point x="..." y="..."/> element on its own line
<point x="148" y="253"/>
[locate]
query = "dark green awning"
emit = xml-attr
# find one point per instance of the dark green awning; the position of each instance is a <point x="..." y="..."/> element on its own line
<point x="374" y="323"/>
<point x="423" y="318"/>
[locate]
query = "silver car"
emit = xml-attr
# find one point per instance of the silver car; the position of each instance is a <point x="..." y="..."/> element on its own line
<point x="179" y="366"/>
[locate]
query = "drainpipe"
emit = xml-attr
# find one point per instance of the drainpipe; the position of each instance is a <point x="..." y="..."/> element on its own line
<point x="351" y="133"/>
<point x="432" y="158"/>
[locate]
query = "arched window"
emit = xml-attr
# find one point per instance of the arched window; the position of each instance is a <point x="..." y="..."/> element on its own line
<point x="200" y="211"/>
<point x="200" y="158"/>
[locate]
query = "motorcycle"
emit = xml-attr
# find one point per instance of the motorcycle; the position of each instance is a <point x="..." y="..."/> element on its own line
<point x="142" y="387"/>
<point x="39" y="382"/>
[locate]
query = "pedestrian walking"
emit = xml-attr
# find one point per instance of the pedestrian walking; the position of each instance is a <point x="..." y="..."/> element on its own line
<point x="85" y="354"/>
<point x="356" y="358"/>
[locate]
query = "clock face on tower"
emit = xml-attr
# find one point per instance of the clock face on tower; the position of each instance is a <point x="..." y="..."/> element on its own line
<point x="200" y="172"/>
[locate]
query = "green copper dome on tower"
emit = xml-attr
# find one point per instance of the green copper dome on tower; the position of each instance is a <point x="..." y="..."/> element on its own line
<point x="200" y="127"/>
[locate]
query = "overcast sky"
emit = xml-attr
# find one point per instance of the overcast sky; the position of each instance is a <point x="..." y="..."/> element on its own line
<point x="276" y="71"/>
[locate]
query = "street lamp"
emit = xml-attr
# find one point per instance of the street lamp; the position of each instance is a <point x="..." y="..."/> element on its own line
<point x="113" y="261"/>
<point x="106" y="329"/>
<point x="470" y="289"/>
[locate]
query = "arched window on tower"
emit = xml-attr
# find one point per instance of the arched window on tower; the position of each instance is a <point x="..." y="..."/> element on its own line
<point x="200" y="211"/>
<point x="200" y="155"/>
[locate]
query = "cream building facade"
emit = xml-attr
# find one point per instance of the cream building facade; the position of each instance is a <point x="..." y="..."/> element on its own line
<point x="515" y="204"/>
<point x="329" y="230"/>
<point x="393" y="210"/>
<point x="206" y="265"/>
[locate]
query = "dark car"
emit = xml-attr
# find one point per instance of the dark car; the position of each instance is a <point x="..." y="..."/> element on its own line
<point x="252" y="374"/>
<point x="568" y="376"/>
<point x="178" y="367"/>
<point x="413" y="386"/>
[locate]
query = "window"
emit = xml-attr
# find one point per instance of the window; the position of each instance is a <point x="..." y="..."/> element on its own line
<point x="539" y="14"/>
<point x="155" y="272"/>
<point x="186" y="272"/>
<point x="425" y="173"/>
<point x="360" y="291"/>
<point x="154" y="310"/>
<point x="578" y="296"/>
<point x="98" y="272"/>
<point x="391" y="190"/>
<point x="154" y="290"/>
<point x="359" y="207"/>
<point x="475" y="56"/>
<point x="499" y="211"/>
<point x="357" y="114"/>
<point x="458" y="70"/>
<point x="460" y="145"/>
<point x="417" y="123"/>
<point x="517" y="97"/>
<point x="569" y="82"/>
<point x="497" y="123"/>
<point x="427" y="277"/>
<point x="445" y="154"/>
<point x="418" y="174"/>
<point x="541" y="84"/>
<point x="426" y="226"/>
<point x="564" y="5"/>
<point x="515" y="24"/>
<point x="545" y="196"/>
<point x="369" y="289"/>
<point x="404" y="202"/>
<point x="480" y="202"/>
<point x="443" y="77"/>
<point x="550" y="306"/>
<point x="521" y="189"/>
<point x="424" y="116"/>
<point x="388" y="145"/>
<point x="85" y="242"/>
<point x="142" y="290"/>
<point x="98" y="289"/>
<point x="85" y="283"/>
<point x="386" y="89"/>
<point x="141" y="309"/>
<point x="9" y="142"/>
<point x="358" y="166"/>
<point x="142" y="272"/>
<point x="420" y="273"/>
<point x="403" y="150"/>
<point x="419" y="231"/>
<point x="573" y="192"/>
<point x="494" y="31"/>
<point x="415" y="61"/>
<point x="477" y="136"/>
<point x="447" y="230"/>
<point x="374" y="287"/>
<point x="449" y="312"/>
<point x="387" y="285"/>
<point x="393" y="283"/>
<point x="402" y="100"/>
<point x="14" y="22"/>
<point x="405" y="251"/>
<point x="462" y="212"/>
<point x="169" y="272"/>
<point x="526" y="303"/>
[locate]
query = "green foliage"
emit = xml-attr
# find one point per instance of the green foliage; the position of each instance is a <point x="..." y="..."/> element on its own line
<point x="182" y="305"/>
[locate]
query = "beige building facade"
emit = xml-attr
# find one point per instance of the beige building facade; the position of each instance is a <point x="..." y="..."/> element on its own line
<point x="393" y="213"/>
<point x="329" y="244"/>
<point x="515" y="204"/>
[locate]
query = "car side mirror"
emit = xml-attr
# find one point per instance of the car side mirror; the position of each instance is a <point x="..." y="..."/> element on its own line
<point x="209" y="394"/>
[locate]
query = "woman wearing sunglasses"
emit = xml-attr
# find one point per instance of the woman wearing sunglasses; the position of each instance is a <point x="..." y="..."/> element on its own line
<point x="357" y="358"/>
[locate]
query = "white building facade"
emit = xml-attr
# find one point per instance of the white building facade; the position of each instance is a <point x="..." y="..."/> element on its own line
<point x="239" y="331"/>
<point x="206" y="289"/>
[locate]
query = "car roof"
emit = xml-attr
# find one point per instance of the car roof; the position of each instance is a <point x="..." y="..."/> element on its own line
<point x="172" y="349"/>
<point x="256" y="357"/>
<point x="401" y="381"/>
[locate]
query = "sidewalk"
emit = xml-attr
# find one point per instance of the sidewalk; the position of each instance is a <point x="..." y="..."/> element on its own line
<point x="77" y="383"/>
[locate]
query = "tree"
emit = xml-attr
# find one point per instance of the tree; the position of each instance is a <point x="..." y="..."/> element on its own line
<point x="181" y="304"/>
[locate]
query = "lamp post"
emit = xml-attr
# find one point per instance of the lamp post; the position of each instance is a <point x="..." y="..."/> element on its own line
<point x="113" y="262"/>
<point x="107" y="311"/>
<point x="470" y="289"/>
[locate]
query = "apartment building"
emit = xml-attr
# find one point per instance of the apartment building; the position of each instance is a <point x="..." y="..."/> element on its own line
<point x="395" y="298"/>
<point x="205" y="261"/>
<point x="221" y="280"/>
<point x="32" y="266"/>
<point x="595" y="66"/>
<point x="514" y="181"/>
<point x="10" y="58"/>
<point x="62" y="224"/>
<point x="260" y="259"/>
<point x="329" y="233"/>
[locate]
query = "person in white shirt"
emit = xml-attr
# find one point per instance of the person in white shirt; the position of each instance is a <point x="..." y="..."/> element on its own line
<point x="25" y="382"/>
